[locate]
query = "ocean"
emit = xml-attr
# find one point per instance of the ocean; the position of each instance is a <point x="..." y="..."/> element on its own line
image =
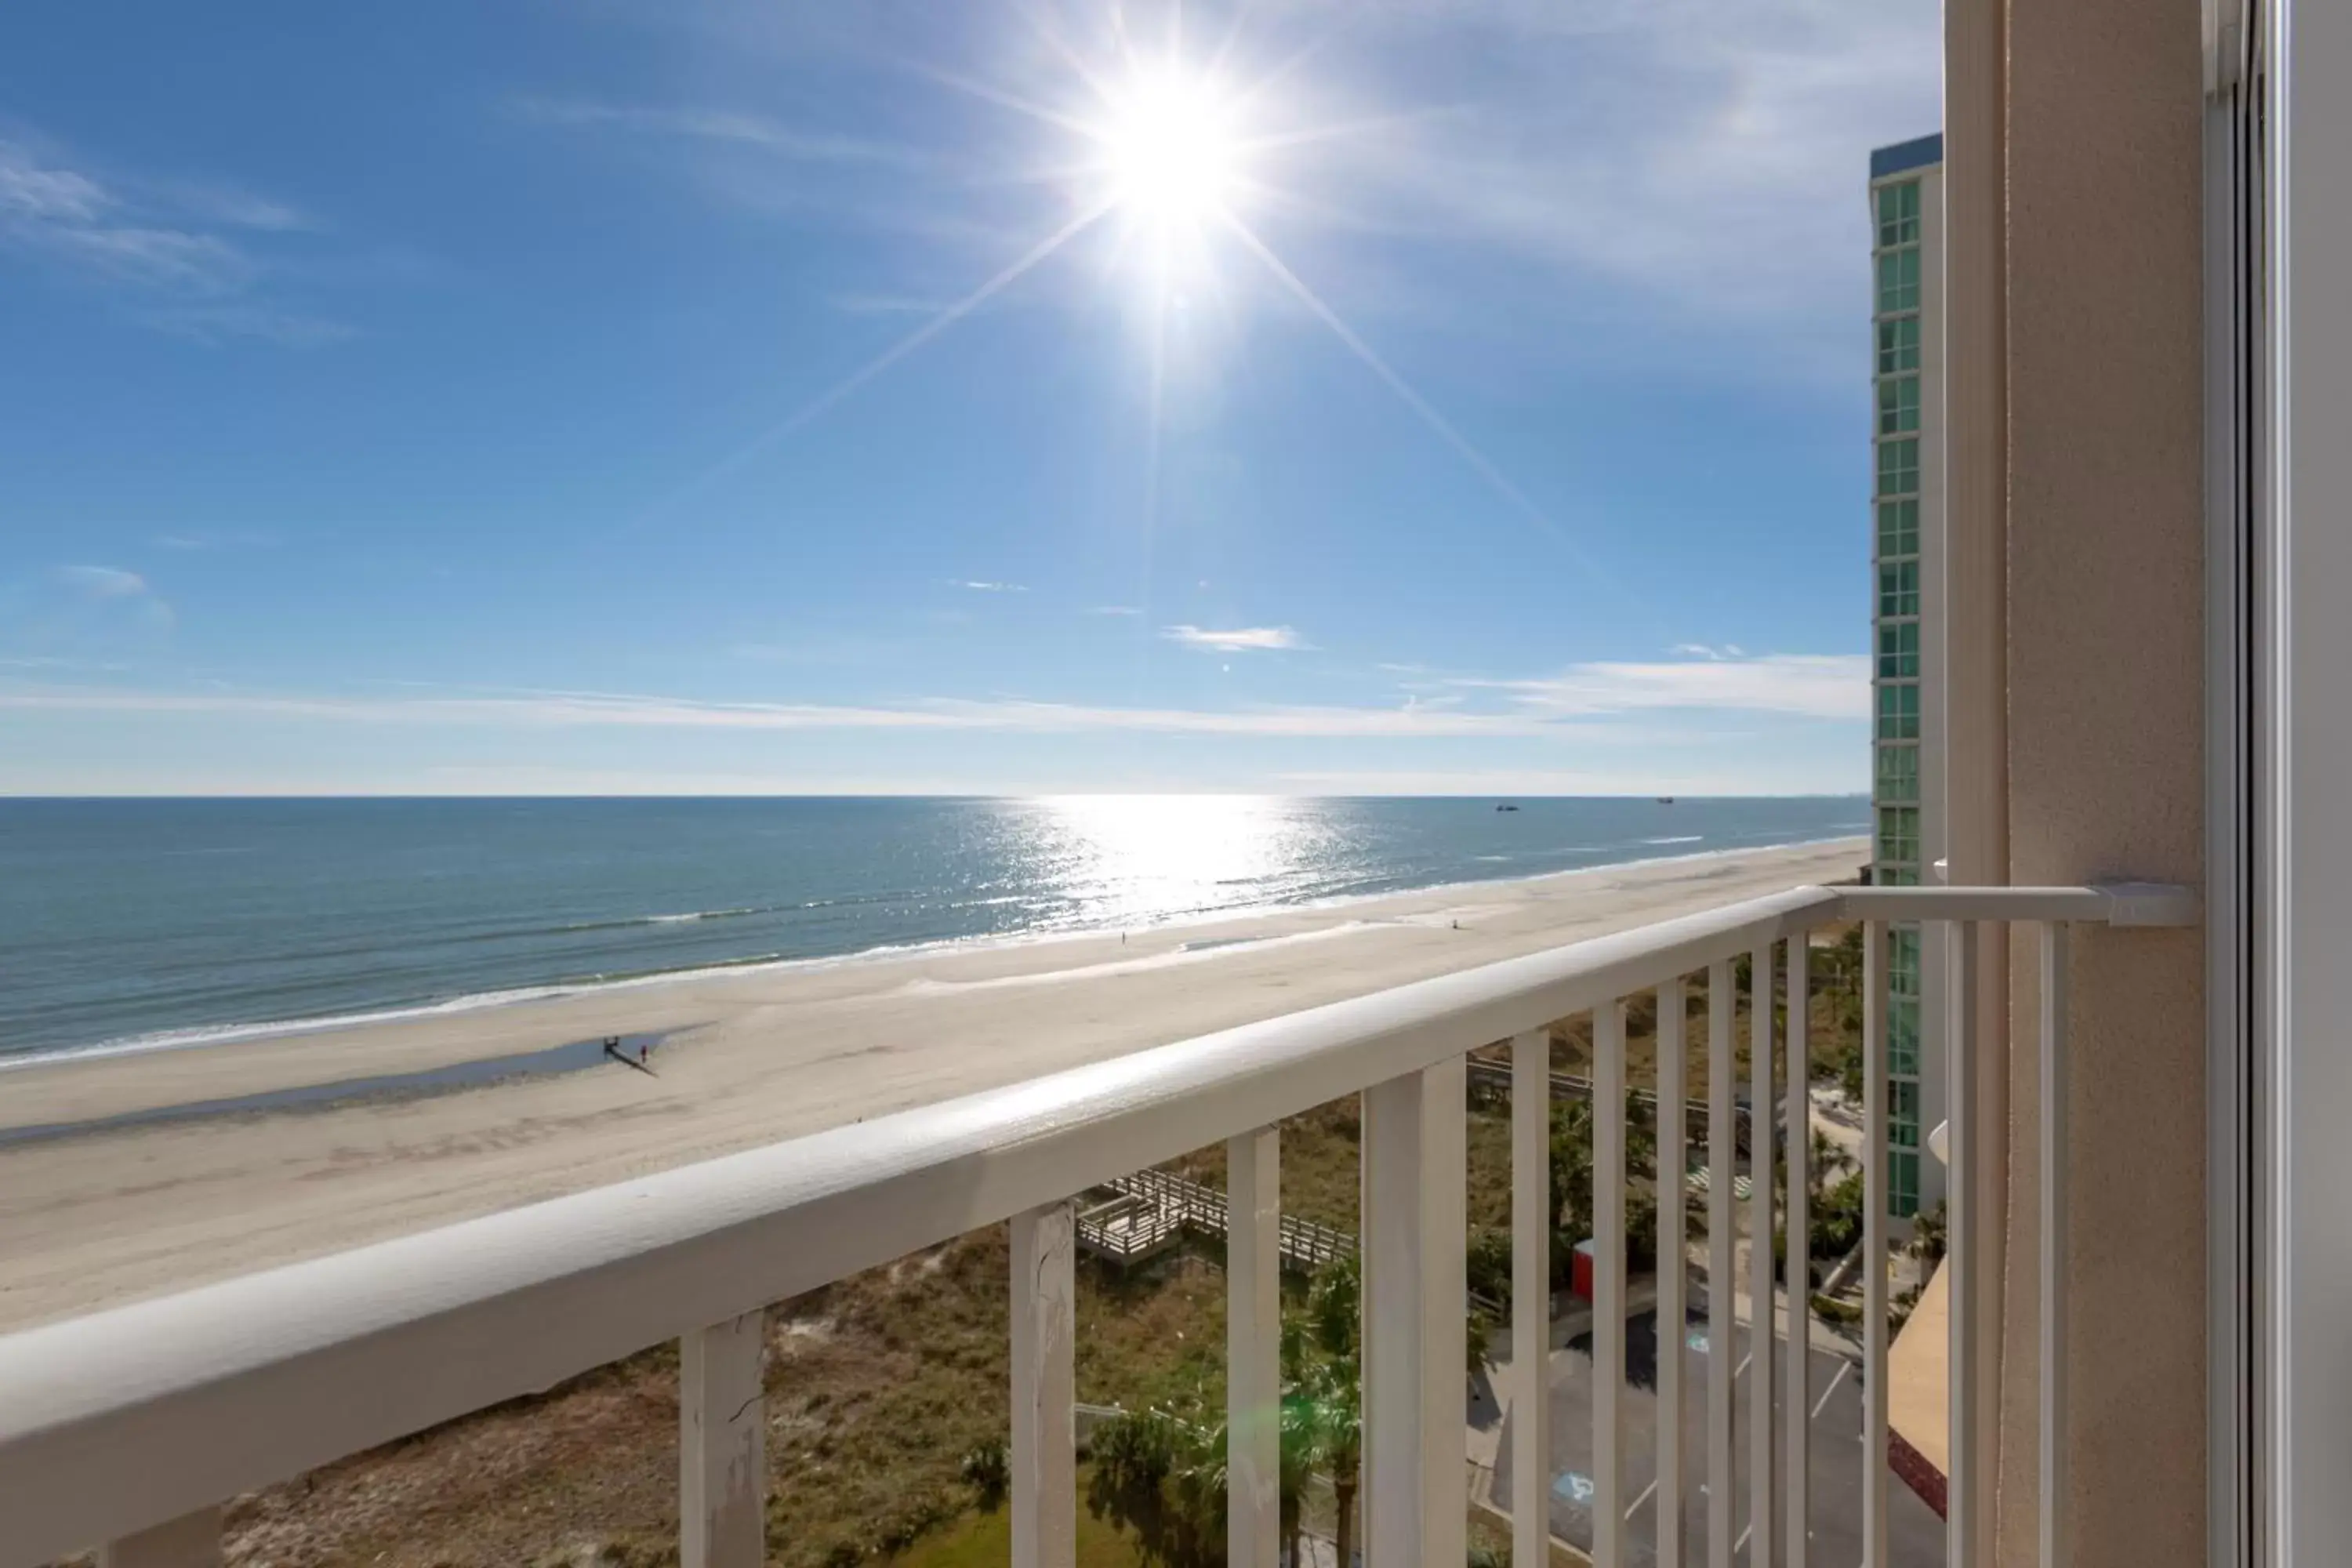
<point x="147" y="924"/>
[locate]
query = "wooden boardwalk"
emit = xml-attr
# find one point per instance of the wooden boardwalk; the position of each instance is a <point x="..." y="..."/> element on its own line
<point x="1146" y="1213"/>
<point x="1495" y="1076"/>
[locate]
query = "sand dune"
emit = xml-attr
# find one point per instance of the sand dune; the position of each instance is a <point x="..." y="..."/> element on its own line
<point x="95" y="1218"/>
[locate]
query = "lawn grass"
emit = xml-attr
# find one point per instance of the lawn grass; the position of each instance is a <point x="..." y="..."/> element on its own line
<point x="985" y="1541"/>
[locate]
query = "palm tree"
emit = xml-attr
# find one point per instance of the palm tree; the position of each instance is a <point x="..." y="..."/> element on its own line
<point x="1830" y="1161"/>
<point x="1298" y="1461"/>
<point x="1199" y="1480"/>
<point x="1322" y="1409"/>
<point x="1332" y="1418"/>
<point x="1927" y="1228"/>
<point x="1574" y="1207"/>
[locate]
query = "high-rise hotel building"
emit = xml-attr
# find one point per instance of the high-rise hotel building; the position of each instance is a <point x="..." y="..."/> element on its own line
<point x="1907" y="207"/>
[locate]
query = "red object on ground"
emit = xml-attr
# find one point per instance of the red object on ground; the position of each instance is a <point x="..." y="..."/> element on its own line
<point x="1579" y="1276"/>
<point x="1915" y="1471"/>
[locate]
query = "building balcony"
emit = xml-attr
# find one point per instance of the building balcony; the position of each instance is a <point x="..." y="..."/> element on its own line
<point x="128" y="1429"/>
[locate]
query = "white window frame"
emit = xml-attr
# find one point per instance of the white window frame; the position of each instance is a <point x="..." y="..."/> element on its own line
<point x="2279" y="882"/>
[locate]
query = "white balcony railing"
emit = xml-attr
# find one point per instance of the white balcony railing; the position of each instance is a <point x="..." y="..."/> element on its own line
<point x="130" y="1427"/>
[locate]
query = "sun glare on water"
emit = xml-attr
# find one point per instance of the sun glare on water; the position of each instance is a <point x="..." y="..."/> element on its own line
<point x="1143" y="859"/>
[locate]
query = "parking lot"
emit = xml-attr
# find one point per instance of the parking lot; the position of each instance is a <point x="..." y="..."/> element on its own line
<point x="1833" y="1395"/>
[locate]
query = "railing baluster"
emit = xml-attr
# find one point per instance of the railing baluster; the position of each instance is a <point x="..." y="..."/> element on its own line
<point x="1722" y="1285"/>
<point x="1608" y="1284"/>
<point x="190" y="1541"/>
<point x="1876" y="1190"/>
<point x="1963" y="1548"/>
<point x="2056" y="1547"/>
<point x="1045" y="1492"/>
<point x="1674" y="1269"/>
<point x="1761" y="1081"/>
<point x="1532" y="1223"/>
<point x="1415" y="1493"/>
<point x="722" y="1470"/>
<point x="1797" y="1390"/>
<point x="1253" y="1349"/>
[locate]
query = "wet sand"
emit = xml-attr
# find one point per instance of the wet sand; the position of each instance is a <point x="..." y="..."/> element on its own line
<point x="307" y="1143"/>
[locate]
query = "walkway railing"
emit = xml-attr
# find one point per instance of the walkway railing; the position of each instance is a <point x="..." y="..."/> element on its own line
<point x="1178" y="1203"/>
<point x="1488" y="1074"/>
<point x="131" y="1427"/>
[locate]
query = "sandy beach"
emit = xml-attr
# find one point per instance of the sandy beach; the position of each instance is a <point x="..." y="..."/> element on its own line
<point x="99" y="1217"/>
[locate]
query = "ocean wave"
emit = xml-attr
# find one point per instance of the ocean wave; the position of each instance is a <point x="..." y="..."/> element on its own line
<point x="230" y="1033"/>
<point x="1334" y="892"/>
<point x="687" y="918"/>
<point x="198" y="1035"/>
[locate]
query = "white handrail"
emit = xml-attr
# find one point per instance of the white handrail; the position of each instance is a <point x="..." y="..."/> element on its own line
<point x="136" y="1416"/>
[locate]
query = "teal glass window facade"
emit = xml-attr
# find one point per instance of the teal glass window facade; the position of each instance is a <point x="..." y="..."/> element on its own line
<point x="1898" y="425"/>
<point x="1898" y="215"/>
<point x="1898" y="345"/>
<point x="1898" y="529"/>
<point x="1898" y="833"/>
<point x="1898" y="405"/>
<point x="1903" y="1184"/>
<point x="1899" y="650"/>
<point x="1898" y="281"/>
<point x="1903" y="958"/>
<point x="1898" y="589"/>
<point x="1903" y="1036"/>
<point x="1898" y="467"/>
<point x="1898" y="775"/>
<point x="1898" y="712"/>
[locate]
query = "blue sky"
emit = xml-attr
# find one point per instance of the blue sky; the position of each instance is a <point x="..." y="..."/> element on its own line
<point x="610" y="397"/>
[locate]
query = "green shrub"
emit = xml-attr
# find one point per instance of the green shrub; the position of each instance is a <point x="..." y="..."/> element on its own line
<point x="1488" y="1264"/>
<point x="988" y="1470"/>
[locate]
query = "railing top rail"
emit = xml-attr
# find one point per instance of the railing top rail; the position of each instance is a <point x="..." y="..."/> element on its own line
<point x="2108" y="903"/>
<point x="124" y="1418"/>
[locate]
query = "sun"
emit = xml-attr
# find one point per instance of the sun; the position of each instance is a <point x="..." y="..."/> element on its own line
<point x="1172" y="150"/>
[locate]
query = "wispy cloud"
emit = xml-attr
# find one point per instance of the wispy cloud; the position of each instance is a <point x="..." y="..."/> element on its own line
<point x="67" y="616"/>
<point x="1237" y="639"/>
<point x="982" y="587"/>
<point x="1704" y="651"/>
<point x="103" y="581"/>
<point x="1815" y="686"/>
<point x="727" y="127"/>
<point x="1584" y="701"/>
<point x="1127" y="610"/>
<point x="47" y="661"/>
<point x="867" y="304"/>
<point x="212" y="538"/>
<point x="179" y="251"/>
<point x="223" y="323"/>
<point x="235" y="208"/>
<point x="818" y="649"/>
<point x="1738" y="775"/>
<point x="1705" y="152"/>
<point x="111" y="593"/>
<point x="609" y="710"/>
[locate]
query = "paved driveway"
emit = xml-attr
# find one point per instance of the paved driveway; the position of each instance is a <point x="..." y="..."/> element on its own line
<point x="1914" y="1535"/>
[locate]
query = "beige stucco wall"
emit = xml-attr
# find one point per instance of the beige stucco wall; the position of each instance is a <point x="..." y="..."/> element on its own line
<point x="2104" y="591"/>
